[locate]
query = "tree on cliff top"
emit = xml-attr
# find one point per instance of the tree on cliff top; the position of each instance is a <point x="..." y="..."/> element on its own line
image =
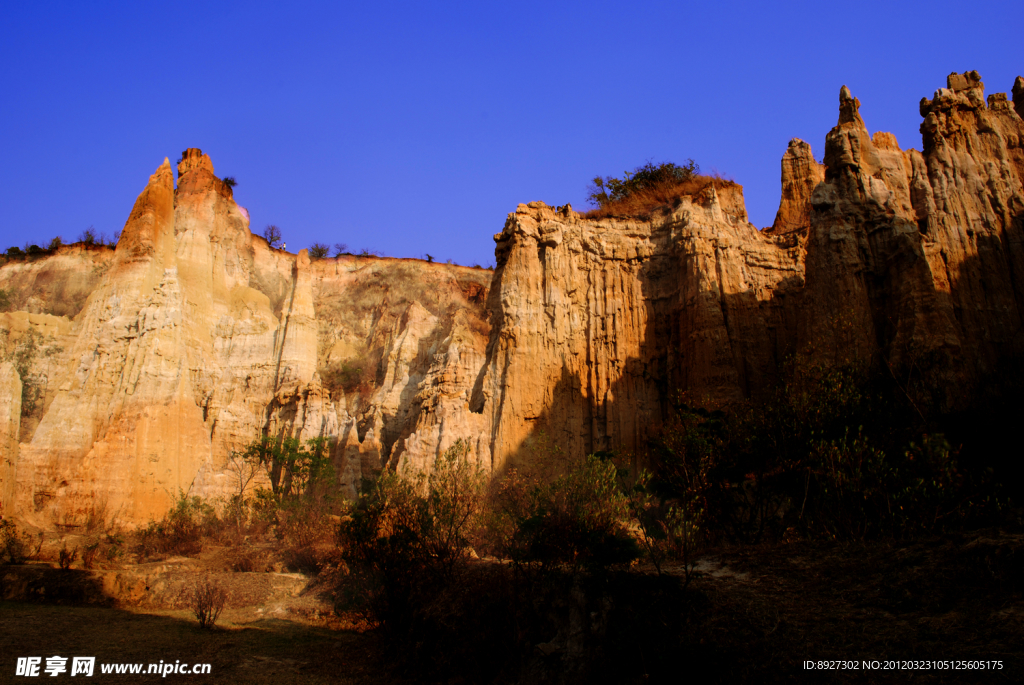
<point x="318" y="251"/>
<point x="273" y="235"/>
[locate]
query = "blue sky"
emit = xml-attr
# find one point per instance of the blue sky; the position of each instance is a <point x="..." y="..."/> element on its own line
<point x="412" y="127"/>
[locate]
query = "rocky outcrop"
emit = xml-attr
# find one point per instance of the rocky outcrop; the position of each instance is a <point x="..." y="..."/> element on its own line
<point x="885" y="257"/>
<point x="801" y="174"/>
<point x="197" y="337"/>
<point x="914" y="257"/>
<point x="597" y="323"/>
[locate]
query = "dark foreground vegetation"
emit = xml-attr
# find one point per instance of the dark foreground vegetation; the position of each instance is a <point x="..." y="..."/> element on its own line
<point x="840" y="518"/>
<point x="839" y="487"/>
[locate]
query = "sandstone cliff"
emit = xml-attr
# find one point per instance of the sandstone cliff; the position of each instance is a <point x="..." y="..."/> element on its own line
<point x="916" y="256"/>
<point x="597" y="322"/>
<point x="902" y="259"/>
<point x="196" y="337"/>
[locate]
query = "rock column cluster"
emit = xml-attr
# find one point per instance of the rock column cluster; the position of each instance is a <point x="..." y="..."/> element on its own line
<point x="146" y="367"/>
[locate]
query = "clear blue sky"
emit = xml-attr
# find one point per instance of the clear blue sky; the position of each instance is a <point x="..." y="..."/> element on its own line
<point x="415" y="127"/>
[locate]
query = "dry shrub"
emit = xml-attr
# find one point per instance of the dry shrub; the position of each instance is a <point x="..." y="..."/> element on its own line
<point x="206" y="599"/>
<point x="308" y="524"/>
<point x="181" y="531"/>
<point x="310" y="538"/>
<point x="558" y="608"/>
<point x="66" y="557"/>
<point x="96" y="517"/>
<point x="114" y="549"/>
<point x="408" y="537"/>
<point x="642" y="203"/>
<point x="89" y="553"/>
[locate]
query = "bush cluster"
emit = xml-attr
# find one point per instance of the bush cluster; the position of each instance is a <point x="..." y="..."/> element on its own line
<point x="182" y="529"/>
<point x="319" y="251"/>
<point x="607" y="190"/>
<point x="299" y="510"/>
<point x="646" y="188"/>
<point x="831" y="457"/>
<point x="349" y="377"/>
<point x="89" y="237"/>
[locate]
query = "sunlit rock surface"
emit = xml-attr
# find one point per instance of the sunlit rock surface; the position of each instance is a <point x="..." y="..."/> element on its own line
<point x="129" y="376"/>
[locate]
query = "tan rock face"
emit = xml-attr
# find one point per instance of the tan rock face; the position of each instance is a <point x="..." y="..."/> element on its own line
<point x="194" y="337"/>
<point x="598" y="322"/>
<point x="800" y="176"/>
<point x="58" y="284"/>
<point x="916" y="255"/>
<point x="10" y="423"/>
<point x="198" y="338"/>
<point x="883" y="256"/>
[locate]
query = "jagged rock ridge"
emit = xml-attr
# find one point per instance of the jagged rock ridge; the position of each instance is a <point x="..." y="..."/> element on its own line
<point x="199" y="337"/>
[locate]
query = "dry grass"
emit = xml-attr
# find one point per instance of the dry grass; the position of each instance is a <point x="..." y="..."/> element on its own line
<point x="642" y="204"/>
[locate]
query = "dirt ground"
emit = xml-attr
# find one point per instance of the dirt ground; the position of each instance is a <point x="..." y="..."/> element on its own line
<point x="763" y="611"/>
<point x="755" y="614"/>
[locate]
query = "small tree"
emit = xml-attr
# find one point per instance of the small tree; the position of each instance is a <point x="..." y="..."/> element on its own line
<point x="340" y="249"/>
<point x="293" y="470"/>
<point x="407" y="539"/>
<point x="88" y="236"/>
<point x="273" y="235"/>
<point x="230" y="182"/>
<point x="243" y="472"/>
<point x="55" y="244"/>
<point x="454" y="497"/>
<point x="318" y="251"/>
